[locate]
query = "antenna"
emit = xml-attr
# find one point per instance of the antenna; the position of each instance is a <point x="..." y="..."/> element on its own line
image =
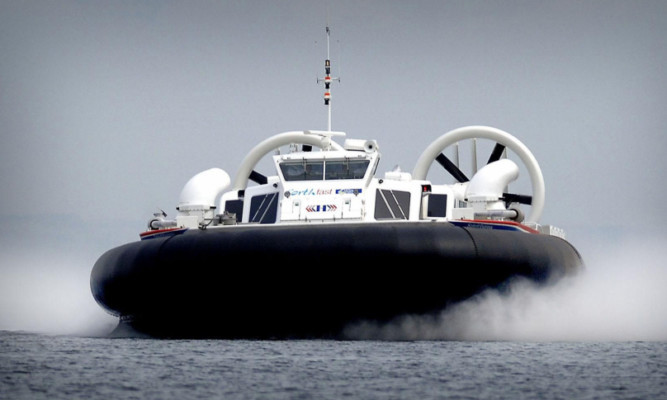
<point x="327" y="81"/>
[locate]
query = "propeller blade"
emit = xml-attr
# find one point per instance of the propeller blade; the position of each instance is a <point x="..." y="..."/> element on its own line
<point x="496" y="153"/>
<point x="451" y="168"/>
<point x="518" y="198"/>
<point x="258" y="178"/>
<point x="456" y="155"/>
<point x="474" y="156"/>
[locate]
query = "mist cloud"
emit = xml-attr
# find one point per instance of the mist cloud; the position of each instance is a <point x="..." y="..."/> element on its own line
<point x="620" y="296"/>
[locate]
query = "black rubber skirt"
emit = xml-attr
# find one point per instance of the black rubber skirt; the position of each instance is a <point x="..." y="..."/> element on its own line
<point x="305" y="281"/>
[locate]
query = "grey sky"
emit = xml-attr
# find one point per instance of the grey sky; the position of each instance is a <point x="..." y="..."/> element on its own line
<point x="108" y="108"/>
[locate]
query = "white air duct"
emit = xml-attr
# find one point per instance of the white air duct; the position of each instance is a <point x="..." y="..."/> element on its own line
<point x="203" y="188"/>
<point x="491" y="180"/>
<point x="197" y="199"/>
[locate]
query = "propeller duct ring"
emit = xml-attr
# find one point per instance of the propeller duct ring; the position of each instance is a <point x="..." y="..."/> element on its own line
<point x="434" y="150"/>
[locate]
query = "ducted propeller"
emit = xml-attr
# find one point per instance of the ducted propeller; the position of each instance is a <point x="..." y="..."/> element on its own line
<point x="503" y="141"/>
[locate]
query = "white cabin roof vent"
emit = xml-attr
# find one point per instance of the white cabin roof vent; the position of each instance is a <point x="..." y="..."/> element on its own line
<point x="369" y="146"/>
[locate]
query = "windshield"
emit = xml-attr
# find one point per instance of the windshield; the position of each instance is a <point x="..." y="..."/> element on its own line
<point x="303" y="170"/>
<point x="346" y="169"/>
<point x="317" y="170"/>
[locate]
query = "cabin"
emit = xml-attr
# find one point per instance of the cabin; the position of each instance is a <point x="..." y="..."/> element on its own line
<point x="336" y="185"/>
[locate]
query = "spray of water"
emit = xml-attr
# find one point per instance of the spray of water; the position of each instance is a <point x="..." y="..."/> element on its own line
<point x="620" y="296"/>
<point x="49" y="295"/>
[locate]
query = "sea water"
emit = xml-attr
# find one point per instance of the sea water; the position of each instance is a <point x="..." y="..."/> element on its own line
<point x="38" y="366"/>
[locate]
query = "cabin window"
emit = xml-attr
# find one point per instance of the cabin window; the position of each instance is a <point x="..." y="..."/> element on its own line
<point x="264" y="208"/>
<point x="392" y="204"/>
<point x="303" y="170"/>
<point x="437" y="205"/>
<point x="235" y="207"/>
<point x="306" y="170"/>
<point x="346" y="169"/>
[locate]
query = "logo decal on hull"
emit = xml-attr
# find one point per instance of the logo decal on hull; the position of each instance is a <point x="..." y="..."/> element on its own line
<point x="320" y="192"/>
<point x="348" y="191"/>
<point x="322" y="208"/>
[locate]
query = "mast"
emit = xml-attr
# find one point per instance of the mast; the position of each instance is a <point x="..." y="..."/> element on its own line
<point x="327" y="82"/>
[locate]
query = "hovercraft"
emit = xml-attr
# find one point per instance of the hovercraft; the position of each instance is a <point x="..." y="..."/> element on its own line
<point x="324" y="242"/>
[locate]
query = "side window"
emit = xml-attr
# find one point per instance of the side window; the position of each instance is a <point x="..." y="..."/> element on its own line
<point x="437" y="205"/>
<point x="392" y="204"/>
<point x="235" y="207"/>
<point x="264" y="208"/>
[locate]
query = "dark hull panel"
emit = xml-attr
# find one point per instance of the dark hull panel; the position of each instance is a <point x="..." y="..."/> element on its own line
<point x="311" y="281"/>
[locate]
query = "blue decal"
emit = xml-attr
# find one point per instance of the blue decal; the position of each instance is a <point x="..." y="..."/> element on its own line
<point x="348" y="191"/>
